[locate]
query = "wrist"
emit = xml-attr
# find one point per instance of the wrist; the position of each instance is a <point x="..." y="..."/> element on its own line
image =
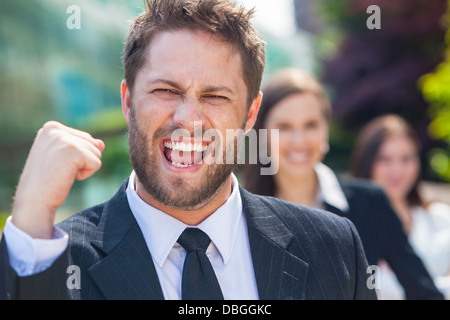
<point x="36" y="221"/>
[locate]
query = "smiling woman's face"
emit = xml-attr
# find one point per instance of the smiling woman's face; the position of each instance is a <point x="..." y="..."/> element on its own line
<point x="396" y="166"/>
<point x="303" y="131"/>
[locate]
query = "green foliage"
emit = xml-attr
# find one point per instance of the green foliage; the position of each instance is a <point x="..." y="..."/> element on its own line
<point x="110" y="126"/>
<point x="436" y="90"/>
<point x="343" y="14"/>
<point x="49" y="72"/>
<point x="3" y="217"/>
<point x="104" y="121"/>
<point x="375" y="72"/>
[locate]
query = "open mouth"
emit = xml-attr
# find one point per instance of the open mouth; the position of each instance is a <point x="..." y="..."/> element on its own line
<point x="184" y="154"/>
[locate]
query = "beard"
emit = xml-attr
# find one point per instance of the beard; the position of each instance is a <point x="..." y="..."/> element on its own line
<point x="174" y="192"/>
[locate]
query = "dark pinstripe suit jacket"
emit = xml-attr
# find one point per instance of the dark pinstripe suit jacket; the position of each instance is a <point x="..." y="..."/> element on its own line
<point x="298" y="253"/>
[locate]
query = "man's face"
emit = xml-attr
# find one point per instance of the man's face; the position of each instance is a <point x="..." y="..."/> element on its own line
<point x="189" y="80"/>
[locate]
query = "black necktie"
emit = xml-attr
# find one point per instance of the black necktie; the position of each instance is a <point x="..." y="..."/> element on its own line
<point x="199" y="281"/>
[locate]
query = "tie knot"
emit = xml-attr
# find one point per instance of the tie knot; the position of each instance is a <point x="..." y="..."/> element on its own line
<point x="194" y="239"/>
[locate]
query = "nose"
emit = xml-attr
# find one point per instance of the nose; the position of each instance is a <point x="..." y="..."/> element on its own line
<point x="397" y="168"/>
<point x="188" y="114"/>
<point x="298" y="137"/>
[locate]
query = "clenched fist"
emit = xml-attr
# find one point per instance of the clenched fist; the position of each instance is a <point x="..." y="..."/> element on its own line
<point x="59" y="156"/>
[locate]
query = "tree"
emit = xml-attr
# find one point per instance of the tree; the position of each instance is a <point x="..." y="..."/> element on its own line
<point x="375" y="71"/>
<point x="436" y="90"/>
<point x="51" y="71"/>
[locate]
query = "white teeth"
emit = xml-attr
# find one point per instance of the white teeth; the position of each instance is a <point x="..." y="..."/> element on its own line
<point x="181" y="146"/>
<point x="179" y="165"/>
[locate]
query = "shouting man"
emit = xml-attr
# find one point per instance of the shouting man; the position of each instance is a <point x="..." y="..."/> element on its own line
<point x="192" y="67"/>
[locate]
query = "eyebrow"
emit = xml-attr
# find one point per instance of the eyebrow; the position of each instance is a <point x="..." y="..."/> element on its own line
<point x="166" y="81"/>
<point x="180" y="87"/>
<point x="218" y="89"/>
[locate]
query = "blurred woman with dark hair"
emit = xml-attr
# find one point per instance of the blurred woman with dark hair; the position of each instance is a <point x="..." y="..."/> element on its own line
<point x="296" y="104"/>
<point x="387" y="152"/>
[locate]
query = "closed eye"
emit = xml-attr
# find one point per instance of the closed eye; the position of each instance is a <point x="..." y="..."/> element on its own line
<point x="165" y="94"/>
<point x="283" y="126"/>
<point x="311" y="125"/>
<point x="215" y="99"/>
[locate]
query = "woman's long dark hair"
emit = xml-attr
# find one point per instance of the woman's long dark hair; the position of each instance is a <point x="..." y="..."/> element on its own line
<point x="368" y="144"/>
<point x="283" y="84"/>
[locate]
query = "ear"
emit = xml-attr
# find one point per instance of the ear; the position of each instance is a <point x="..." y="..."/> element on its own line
<point x="125" y="96"/>
<point x="253" y="112"/>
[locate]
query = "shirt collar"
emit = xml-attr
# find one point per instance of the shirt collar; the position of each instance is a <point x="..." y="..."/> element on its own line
<point x="161" y="231"/>
<point x="329" y="188"/>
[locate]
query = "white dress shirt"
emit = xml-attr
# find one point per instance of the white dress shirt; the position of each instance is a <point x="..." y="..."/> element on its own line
<point x="430" y="239"/>
<point x="329" y="189"/>
<point x="229" y="251"/>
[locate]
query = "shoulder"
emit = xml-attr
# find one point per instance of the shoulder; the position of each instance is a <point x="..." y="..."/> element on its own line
<point x="292" y="212"/>
<point x="303" y="222"/>
<point x="365" y="196"/>
<point x="83" y="221"/>
<point x="437" y="207"/>
<point x="90" y="218"/>
<point x="83" y="229"/>
<point x="361" y="187"/>
<point x="328" y="243"/>
<point x="440" y="213"/>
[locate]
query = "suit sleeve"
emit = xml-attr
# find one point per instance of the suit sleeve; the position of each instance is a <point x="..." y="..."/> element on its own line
<point x="407" y="266"/>
<point x="47" y="285"/>
<point x="362" y="289"/>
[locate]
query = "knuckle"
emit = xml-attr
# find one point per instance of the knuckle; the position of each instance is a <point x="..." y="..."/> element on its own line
<point x="50" y="129"/>
<point x="50" y="125"/>
<point x="62" y="144"/>
<point x="71" y="148"/>
<point x="98" y="164"/>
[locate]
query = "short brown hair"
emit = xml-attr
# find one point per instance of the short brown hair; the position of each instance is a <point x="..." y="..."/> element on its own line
<point x="222" y="18"/>
<point x="289" y="81"/>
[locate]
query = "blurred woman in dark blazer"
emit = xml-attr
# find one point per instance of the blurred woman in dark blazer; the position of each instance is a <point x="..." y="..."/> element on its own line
<point x="296" y="104"/>
<point x="387" y="152"/>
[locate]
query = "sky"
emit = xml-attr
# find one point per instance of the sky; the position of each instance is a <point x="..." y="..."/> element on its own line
<point x="273" y="16"/>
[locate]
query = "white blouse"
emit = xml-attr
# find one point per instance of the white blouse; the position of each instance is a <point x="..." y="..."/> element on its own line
<point x="430" y="239"/>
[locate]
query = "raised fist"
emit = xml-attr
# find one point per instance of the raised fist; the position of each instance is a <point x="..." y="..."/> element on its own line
<point x="59" y="156"/>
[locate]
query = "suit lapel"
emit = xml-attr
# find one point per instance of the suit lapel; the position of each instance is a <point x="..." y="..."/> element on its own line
<point x="127" y="270"/>
<point x="280" y="275"/>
